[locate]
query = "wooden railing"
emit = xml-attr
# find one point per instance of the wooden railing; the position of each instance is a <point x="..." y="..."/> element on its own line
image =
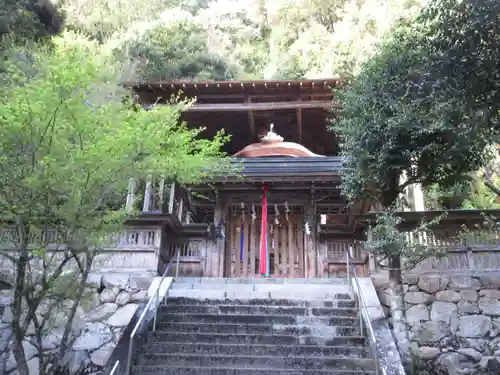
<point x="335" y="261"/>
<point x="133" y="248"/>
<point x="131" y="238"/>
<point x="134" y="238"/>
<point x="190" y="251"/>
<point x="160" y="197"/>
<point x="475" y="250"/>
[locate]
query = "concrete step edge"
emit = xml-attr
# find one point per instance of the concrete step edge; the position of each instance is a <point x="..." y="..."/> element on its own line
<point x="167" y="306"/>
<point x="250" y="325"/>
<point x="210" y="355"/>
<point x="264" y="345"/>
<point x="179" y="301"/>
<point x="163" y="313"/>
<point x="257" y="334"/>
<point x="262" y="370"/>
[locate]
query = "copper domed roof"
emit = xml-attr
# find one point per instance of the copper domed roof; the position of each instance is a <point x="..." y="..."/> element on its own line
<point x="272" y="145"/>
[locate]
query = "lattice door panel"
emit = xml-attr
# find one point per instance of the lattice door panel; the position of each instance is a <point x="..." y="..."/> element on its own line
<point x="285" y="247"/>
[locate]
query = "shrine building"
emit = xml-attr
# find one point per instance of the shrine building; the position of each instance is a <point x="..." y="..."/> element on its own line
<point x="281" y="214"/>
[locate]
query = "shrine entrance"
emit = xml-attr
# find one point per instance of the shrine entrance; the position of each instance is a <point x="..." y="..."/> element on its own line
<point x="285" y="241"/>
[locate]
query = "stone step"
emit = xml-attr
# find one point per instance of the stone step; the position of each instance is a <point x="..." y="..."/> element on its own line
<point x="262" y="287"/>
<point x="258" y="319"/>
<point x="234" y="293"/>
<point x="251" y="339"/>
<point x="258" y="310"/>
<point x="341" y="300"/>
<point x="258" y="350"/>
<point x="267" y="329"/>
<point x="261" y="280"/>
<point x="162" y="370"/>
<point x="255" y="362"/>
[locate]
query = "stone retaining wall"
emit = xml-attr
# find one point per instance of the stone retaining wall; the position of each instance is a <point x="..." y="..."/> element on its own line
<point x="453" y="320"/>
<point x="111" y="303"/>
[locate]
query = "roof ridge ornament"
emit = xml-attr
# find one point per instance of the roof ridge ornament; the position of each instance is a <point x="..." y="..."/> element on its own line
<point x="271" y="136"/>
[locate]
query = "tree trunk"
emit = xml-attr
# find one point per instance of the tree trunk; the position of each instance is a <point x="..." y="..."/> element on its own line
<point x="399" y="327"/>
<point x="66" y="339"/>
<point x="20" y="285"/>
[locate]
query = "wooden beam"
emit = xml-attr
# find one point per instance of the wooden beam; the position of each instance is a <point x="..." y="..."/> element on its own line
<point x="260" y="106"/>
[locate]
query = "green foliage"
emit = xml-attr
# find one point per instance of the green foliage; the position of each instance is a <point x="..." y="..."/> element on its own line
<point x="426" y="103"/>
<point x="453" y="197"/>
<point x="29" y="19"/>
<point x="178" y="50"/>
<point x="192" y="6"/>
<point x="234" y="39"/>
<point x="104" y="20"/>
<point x="70" y="138"/>
<point x="469" y="194"/>
<point x="388" y="241"/>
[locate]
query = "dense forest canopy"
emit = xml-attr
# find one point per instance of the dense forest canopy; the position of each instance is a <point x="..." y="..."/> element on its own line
<point x="239" y="39"/>
<point x="221" y="39"/>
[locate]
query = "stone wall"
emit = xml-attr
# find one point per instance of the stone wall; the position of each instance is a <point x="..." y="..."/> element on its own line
<point x="453" y="321"/>
<point x="112" y="300"/>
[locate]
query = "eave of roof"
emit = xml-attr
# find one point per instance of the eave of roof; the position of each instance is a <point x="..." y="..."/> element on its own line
<point x="282" y="169"/>
<point x="237" y="85"/>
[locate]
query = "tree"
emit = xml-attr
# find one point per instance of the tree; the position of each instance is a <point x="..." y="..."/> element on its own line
<point x="405" y="113"/>
<point x="29" y="19"/>
<point x="177" y="48"/>
<point x="427" y="105"/>
<point x="70" y="138"/>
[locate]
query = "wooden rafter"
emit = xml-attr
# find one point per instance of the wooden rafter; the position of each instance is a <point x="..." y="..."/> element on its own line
<point x="239" y="85"/>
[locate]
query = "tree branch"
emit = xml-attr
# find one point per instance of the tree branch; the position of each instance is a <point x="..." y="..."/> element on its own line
<point x="490" y="186"/>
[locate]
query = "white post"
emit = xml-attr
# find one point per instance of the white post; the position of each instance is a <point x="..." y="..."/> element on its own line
<point x="171" y="199"/>
<point x="418" y="197"/>
<point x="147" y="195"/>
<point x="348" y="260"/>
<point x="129" y="205"/>
<point x="161" y="191"/>
<point x="178" y="260"/>
<point x="371" y="260"/>
<point x="180" y="209"/>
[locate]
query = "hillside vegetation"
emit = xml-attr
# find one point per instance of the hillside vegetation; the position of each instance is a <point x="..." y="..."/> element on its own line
<point x="221" y="39"/>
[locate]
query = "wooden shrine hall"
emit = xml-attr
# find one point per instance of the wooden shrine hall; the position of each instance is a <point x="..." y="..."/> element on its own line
<point x="279" y="212"/>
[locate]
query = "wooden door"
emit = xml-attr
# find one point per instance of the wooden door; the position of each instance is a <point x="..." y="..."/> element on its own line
<point x="285" y="247"/>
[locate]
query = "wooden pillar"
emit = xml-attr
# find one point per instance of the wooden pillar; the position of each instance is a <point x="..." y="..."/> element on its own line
<point x="321" y="251"/>
<point x="218" y="250"/>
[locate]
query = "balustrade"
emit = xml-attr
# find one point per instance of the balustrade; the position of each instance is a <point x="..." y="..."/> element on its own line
<point x="477" y="249"/>
<point x="160" y="197"/>
<point x="131" y="238"/>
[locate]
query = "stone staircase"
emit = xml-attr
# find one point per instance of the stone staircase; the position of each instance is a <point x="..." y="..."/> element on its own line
<point x="256" y="326"/>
